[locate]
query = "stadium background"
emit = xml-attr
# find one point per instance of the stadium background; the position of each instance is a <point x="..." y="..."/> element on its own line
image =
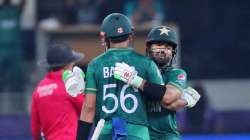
<point x="214" y="48"/>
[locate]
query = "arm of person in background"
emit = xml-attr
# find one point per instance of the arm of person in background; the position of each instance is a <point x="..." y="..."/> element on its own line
<point x="35" y="123"/>
<point x="18" y="3"/>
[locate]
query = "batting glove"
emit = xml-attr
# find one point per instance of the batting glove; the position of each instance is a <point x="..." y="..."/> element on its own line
<point x="74" y="81"/>
<point x="191" y="96"/>
<point x="127" y="74"/>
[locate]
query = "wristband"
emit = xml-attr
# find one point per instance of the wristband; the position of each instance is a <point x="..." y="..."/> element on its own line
<point x="83" y="130"/>
<point x="154" y="91"/>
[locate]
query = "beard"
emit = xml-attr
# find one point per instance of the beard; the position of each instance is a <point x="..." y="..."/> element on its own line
<point x="161" y="60"/>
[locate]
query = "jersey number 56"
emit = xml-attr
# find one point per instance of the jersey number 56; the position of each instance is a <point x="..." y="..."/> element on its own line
<point x="122" y="98"/>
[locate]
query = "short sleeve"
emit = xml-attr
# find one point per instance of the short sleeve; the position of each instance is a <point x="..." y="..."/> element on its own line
<point x="178" y="78"/>
<point x="91" y="87"/>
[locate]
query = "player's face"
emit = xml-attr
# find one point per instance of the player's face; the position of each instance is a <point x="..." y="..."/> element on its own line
<point x="161" y="53"/>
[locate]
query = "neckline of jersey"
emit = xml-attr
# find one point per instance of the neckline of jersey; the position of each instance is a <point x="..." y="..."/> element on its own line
<point x="120" y="49"/>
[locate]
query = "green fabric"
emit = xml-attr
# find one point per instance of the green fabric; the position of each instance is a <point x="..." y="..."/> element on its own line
<point x="11" y="50"/>
<point x="100" y="81"/>
<point x="10" y="30"/>
<point x="12" y="67"/>
<point x="162" y="122"/>
<point x="176" y="76"/>
<point x="141" y="132"/>
<point x="66" y="74"/>
<point x="168" y="136"/>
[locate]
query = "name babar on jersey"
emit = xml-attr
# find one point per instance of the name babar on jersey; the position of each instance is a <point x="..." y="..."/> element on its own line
<point x="108" y="72"/>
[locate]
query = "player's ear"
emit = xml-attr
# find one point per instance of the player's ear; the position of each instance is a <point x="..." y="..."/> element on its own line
<point x="131" y="37"/>
<point x="147" y="51"/>
<point x="104" y="40"/>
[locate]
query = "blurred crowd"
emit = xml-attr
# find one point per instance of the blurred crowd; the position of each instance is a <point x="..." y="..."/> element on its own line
<point x="20" y="45"/>
<point x="93" y="11"/>
<point x="211" y="28"/>
<point x="11" y="50"/>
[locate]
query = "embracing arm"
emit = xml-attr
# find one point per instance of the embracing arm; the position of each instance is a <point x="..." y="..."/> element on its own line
<point x="189" y="98"/>
<point x="165" y="93"/>
<point x="176" y="105"/>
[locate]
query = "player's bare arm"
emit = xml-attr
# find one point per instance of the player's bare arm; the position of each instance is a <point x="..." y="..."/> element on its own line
<point x="189" y="98"/>
<point x="88" y="109"/>
<point x="87" y="117"/>
<point x="177" y="105"/>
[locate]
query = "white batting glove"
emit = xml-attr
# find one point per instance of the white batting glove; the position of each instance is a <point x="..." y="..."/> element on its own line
<point x="74" y="81"/>
<point x="80" y="78"/>
<point x="191" y="96"/>
<point x="127" y="74"/>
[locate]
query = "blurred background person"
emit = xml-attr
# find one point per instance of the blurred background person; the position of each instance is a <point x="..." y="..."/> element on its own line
<point x="87" y="11"/>
<point x="69" y="12"/>
<point x="196" y="117"/>
<point x="107" y="7"/>
<point x="145" y="12"/>
<point x="53" y="111"/>
<point x="11" y="47"/>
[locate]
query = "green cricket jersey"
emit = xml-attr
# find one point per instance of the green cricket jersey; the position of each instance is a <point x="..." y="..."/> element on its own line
<point x="10" y="30"/>
<point x="114" y="97"/>
<point x="162" y="122"/>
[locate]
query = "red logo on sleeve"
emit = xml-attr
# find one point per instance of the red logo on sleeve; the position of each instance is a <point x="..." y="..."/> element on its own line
<point x="181" y="77"/>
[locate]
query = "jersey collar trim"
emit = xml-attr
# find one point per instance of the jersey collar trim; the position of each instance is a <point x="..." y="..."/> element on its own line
<point x="120" y="49"/>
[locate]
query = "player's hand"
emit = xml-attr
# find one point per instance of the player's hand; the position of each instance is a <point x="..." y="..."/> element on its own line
<point x="124" y="72"/>
<point x="191" y="96"/>
<point x="80" y="78"/>
<point x="127" y="74"/>
<point x="74" y="81"/>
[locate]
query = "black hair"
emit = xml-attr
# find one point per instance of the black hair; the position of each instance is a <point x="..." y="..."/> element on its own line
<point x="116" y="39"/>
<point x="119" y="38"/>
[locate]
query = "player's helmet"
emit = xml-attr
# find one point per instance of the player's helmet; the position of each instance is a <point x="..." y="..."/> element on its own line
<point x="162" y="35"/>
<point x="116" y="27"/>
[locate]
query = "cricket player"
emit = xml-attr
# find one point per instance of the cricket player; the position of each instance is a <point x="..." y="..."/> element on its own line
<point x="121" y="105"/>
<point x="162" y="48"/>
